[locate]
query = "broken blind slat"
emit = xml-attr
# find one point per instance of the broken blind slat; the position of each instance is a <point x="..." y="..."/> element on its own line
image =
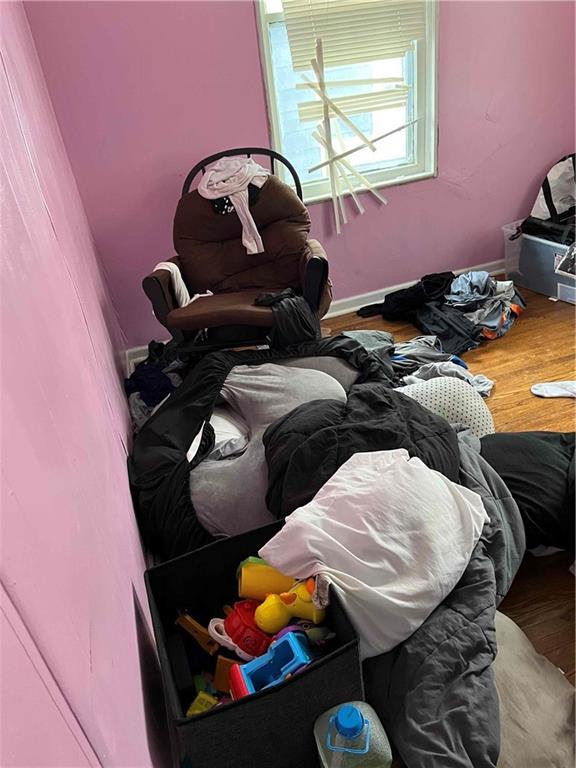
<point x="357" y="103"/>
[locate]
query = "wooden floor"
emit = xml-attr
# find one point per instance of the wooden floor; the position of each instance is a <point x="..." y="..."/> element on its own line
<point x="539" y="347"/>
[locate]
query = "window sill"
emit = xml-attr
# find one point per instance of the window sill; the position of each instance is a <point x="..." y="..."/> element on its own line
<point x="377" y="185"/>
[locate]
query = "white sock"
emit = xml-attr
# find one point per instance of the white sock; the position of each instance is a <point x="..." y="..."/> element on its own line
<point x="555" y="389"/>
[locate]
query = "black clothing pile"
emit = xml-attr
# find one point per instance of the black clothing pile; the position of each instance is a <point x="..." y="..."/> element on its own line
<point x="150" y="382"/>
<point x="457" y="334"/>
<point x="538" y="468"/>
<point x="400" y="305"/>
<point x="461" y="311"/>
<point x="306" y="447"/>
<point x="294" y="321"/>
<point x="155" y="378"/>
<point x="158" y="467"/>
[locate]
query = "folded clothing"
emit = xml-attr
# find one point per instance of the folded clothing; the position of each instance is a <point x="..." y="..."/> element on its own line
<point x="392" y="536"/>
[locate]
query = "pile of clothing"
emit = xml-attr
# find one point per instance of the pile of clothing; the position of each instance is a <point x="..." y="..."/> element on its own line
<point x="318" y="421"/>
<point x="419" y="359"/>
<point x="490" y="304"/>
<point x="418" y="368"/>
<point x="154" y="379"/>
<point x="462" y="311"/>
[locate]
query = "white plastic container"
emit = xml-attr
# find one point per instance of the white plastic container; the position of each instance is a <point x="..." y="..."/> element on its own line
<point x="351" y="736"/>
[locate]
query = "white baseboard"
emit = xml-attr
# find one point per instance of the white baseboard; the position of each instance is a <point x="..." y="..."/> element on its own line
<point x="353" y="303"/>
<point x="341" y="306"/>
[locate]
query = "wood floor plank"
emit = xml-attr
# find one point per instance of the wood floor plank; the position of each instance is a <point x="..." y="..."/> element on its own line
<point x="540" y="347"/>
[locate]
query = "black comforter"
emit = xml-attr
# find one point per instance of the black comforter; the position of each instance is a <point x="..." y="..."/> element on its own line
<point x="435" y="692"/>
<point x="158" y="469"/>
<point x="304" y="449"/>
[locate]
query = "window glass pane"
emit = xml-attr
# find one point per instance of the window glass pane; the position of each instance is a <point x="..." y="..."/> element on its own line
<point x="296" y="136"/>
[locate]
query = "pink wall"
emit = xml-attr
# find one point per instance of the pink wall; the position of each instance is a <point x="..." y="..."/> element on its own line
<point x="144" y="90"/>
<point x="29" y="694"/>
<point x="71" y="561"/>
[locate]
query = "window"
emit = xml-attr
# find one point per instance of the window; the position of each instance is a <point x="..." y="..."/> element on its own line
<point x="379" y="70"/>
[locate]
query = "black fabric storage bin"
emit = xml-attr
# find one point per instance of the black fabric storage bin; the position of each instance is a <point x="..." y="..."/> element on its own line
<point x="273" y="728"/>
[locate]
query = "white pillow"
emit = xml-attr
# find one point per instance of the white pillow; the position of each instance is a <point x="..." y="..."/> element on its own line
<point x="231" y="432"/>
<point x="392" y="536"/>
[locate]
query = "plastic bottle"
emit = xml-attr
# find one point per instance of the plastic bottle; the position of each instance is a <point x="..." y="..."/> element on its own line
<point x="351" y="736"/>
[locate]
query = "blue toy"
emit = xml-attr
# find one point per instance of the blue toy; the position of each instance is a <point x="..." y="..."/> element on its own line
<point x="285" y="656"/>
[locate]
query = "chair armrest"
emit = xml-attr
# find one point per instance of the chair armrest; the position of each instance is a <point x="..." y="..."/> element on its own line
<point x="158" y="287"/>
<point x="316" y="284"/>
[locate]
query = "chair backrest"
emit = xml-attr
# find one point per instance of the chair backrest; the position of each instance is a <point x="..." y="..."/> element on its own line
<point x="249" y="151"/>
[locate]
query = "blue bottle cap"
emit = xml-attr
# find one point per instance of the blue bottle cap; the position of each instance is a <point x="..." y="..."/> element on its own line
<point x="349" y="721"/>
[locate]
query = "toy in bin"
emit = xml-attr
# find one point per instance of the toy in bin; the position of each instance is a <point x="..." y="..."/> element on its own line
<point x="198" y="632"/>
<point x="277" y="611"/>
<point x="238" y="631"/>
<point x="202" y="703"/>
<point x="285" y="657"/>
<point x="317" y="636"/>
<point x="257" y="579"/>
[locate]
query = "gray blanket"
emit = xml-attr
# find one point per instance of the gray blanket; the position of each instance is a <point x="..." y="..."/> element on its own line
<point x="436" y="693"/>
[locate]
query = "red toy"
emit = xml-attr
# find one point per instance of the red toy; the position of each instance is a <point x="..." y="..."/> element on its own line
<point x="239" y="633"/>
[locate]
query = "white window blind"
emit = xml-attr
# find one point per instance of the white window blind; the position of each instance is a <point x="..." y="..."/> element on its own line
<point x="379" y="59"/>
<point x="352" y="31"/>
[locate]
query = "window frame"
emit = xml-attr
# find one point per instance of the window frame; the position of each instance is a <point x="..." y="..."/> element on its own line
<point x="426" y="101"/>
